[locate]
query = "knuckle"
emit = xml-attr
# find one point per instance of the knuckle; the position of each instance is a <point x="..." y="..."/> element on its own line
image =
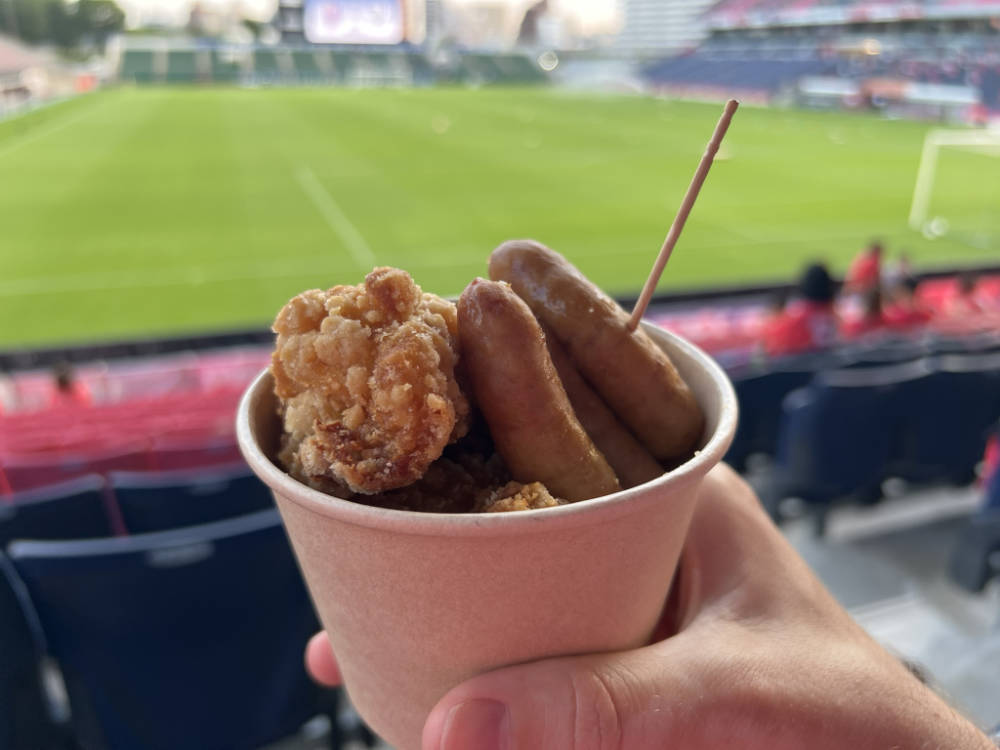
<point x="599" y="710"/>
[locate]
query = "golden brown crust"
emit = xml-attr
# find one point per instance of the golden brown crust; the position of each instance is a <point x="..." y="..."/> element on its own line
<point x="519" y="393"/>
<point x="516" y="496"/>
<point x="366" y="376"/>
<point x="629" y="371"/>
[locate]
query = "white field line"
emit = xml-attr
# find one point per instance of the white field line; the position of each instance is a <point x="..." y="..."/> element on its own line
<point x="336" y="219"/>
<point x="161" y="277"/>
<point x="44" y="132"/>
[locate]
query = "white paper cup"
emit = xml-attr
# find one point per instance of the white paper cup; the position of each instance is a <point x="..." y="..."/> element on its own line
<point x="415" y="603"/>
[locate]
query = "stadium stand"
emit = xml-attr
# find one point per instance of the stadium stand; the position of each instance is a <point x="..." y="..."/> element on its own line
<point x="172" y="61"/>
<point x="266" y="67"/>
<point x="206" y="596"/>
<point x="927" y="59"/>
<point x="760" y="395"/>
<point x="225" y="68"/>
<point x="307" y="68"/>
<point x="73" y="509"/>
<point x="834" y="441"/>
<point x="20" y="472"/>
<point x="25" y="717"/>
<point x="924" y="421"/>
<point x="183" y="67"/>
<point x="137" y="66"/>
<point x="163" y="500"/>
<point x="69" y="510"/>
<point x="975" y="558"/>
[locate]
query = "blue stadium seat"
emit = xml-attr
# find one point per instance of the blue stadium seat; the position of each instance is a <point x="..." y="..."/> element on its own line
<point x="74" y="509"/>
<point x="25" y="720"/>
<point x="975" y="558"/>
<point x="69" y="510"/>
<point x="944" y="421"/>
<point x="191" y="638"/>
<point x="157" y="501"/>
<point x="835" y="437"/>
<point x="883" y="354"/>
<point x="760" y="395"/>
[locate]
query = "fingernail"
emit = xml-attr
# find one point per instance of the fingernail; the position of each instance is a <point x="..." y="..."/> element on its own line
<point x="478" y="724"/>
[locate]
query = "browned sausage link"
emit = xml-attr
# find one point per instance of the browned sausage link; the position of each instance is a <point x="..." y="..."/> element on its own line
<point x="628" y="370"/>
<point x="519" y="393"/>
<point x="628" y="457"/>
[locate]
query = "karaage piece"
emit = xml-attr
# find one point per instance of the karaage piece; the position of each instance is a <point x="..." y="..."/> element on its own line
<point x="366" y="379"/>
<point x="452" y="484"/>
<point x="516" y="496"/>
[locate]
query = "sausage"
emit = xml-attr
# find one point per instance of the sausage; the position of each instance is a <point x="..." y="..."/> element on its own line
<point x="519" y="393"/>
<point x="630" y="372"/>
<point x="632" y="463"/>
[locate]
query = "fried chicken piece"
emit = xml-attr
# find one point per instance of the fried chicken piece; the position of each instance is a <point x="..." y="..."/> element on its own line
<point x="453" y="484"/>
<point x="366" y="378"/>
<point x="516" y="496"/>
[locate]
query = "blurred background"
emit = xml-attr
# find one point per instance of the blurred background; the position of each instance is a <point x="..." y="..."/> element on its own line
<point x="173" y="171"/>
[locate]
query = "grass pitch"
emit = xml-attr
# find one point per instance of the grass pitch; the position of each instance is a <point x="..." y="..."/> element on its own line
<point x="165" y="210"/>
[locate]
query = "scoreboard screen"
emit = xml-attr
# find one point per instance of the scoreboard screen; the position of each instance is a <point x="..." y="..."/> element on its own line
<point x="354" y="21"/>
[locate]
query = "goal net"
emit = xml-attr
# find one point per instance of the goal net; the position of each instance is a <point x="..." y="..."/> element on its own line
<point x="957" y="193"/>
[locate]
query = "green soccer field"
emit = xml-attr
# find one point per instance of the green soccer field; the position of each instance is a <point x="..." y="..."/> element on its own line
<point x="166" y="210"/>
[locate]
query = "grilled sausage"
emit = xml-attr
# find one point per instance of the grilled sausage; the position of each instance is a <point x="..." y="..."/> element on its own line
<point x="630" y="372"/>
<point x="521" y="397"/>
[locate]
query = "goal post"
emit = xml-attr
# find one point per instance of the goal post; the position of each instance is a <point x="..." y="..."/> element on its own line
<point x="984" y="142"/>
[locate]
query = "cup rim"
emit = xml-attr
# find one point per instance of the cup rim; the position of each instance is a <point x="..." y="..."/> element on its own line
<point x="491" y="524"/>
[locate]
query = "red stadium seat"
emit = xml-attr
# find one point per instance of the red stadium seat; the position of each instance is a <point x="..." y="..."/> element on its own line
<point x="172" y="454"/>
<point x="27" y="471"/>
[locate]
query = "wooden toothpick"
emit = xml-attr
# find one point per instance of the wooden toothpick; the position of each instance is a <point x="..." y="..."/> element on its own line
<point x="682" y="213"/>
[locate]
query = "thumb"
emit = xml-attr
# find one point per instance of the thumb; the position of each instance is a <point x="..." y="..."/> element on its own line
<point x="593" y="702"/>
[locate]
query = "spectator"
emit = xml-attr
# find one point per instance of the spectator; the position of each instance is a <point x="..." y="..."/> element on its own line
<point x="808" y="322"/>
<point x="68" y="390"/>
<point x="964" y="302"/>
<point x="872" y="319"/>
<point x="904" y="311"/>
<point x="865" y="271"/>
<point x="897" y="271"/>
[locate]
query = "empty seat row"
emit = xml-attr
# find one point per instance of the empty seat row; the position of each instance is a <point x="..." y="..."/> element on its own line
<point x="19" y="472"/>
<point x="761" y="389"/>
<point x="201" y="414"/>
<point x="189" y="638"/>
<point x="848" y="430"/>
<point x="131" y="502"/>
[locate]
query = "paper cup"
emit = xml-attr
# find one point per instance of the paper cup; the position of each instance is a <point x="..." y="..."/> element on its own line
<point x="415" y="603"/>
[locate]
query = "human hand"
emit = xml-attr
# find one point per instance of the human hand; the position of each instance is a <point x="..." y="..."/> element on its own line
<point x="759" y="656"/>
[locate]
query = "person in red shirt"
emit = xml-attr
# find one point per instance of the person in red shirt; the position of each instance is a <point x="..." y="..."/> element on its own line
<point x="964" y="302"/>
<point x="809" y="321"/>
<point x="905" y="312"/>
<point x="866" y="270"/>
<point x="68" y="390"/>
<point x="872" y="319"/>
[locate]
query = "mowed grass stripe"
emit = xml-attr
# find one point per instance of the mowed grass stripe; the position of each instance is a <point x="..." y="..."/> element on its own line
<point x="194" y="195"/>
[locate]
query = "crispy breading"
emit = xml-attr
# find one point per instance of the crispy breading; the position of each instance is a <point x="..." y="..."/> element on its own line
<point x="453" y="484"/>
<point x="516" y="496"/>
<point x="366" y="377"/>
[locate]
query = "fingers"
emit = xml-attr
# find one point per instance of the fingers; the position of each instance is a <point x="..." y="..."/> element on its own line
<point x="320" y="661"/>
<point x="736" y="563"/>
<point x="596" y="702"/>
